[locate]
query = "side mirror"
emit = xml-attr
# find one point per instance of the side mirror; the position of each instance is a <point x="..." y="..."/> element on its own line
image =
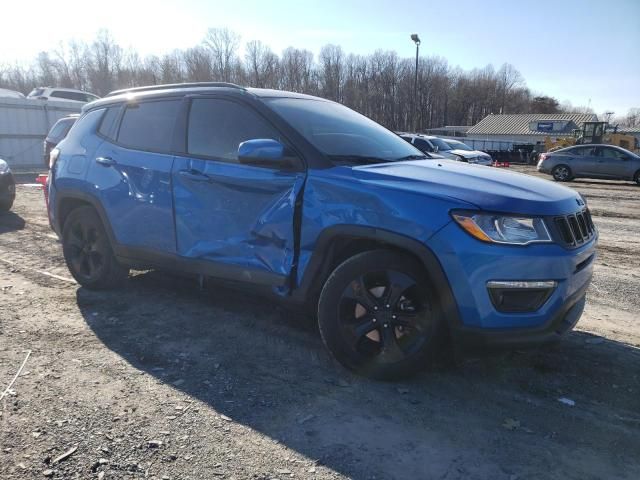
<point x="265" y="152"/>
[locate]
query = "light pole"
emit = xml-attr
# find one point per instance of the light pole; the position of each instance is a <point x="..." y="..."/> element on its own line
<point x="416" y="39"/>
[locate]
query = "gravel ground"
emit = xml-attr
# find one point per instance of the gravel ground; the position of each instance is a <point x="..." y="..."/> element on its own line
<point x="164" y="380"/>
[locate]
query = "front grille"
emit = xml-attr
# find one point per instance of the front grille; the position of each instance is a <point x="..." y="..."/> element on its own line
<point x="575" y="229"/>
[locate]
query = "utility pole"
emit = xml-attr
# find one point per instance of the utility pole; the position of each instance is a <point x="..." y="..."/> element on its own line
<point x="416" y="39"/>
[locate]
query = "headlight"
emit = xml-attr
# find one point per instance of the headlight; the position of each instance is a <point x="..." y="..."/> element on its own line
<point x="4" y="166"/>
<point x="513" y="230"/>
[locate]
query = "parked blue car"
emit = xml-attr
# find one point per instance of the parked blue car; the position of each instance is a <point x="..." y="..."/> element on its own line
<point x="323" y="208"/>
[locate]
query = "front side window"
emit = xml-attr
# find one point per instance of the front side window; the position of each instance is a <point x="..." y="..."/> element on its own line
<point x="441" y="144"/>
<point x="217" y="127"/>
<point x="423" y="145"/>
<point x="613" y="154"/>
<point x="149" y="125"/>
<point x="341" y="133"/>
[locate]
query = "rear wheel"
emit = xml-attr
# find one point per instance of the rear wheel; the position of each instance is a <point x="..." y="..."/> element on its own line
<point x="378" y="316"/>
<point x="561" y="173"/>
<point x="636" y="177"/>
<point x="87" y="251"/>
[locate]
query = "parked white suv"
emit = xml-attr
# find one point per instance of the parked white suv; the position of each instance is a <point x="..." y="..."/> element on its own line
<point x="62" y="95"/>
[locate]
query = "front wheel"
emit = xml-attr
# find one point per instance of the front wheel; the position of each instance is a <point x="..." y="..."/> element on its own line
<point x="378" y="316"/>
<point x="87" y="251"/>
<point x="5" y="205"/>
<point x="561" y="173"/>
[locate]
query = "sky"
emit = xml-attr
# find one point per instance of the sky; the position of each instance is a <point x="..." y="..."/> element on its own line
<point x="586" y="52"/>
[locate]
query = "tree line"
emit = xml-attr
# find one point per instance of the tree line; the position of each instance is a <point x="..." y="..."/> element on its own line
<point x="379" y="85"/>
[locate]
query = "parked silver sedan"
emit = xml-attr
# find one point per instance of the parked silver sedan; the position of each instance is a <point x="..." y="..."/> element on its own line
<point x="591" y="161"/>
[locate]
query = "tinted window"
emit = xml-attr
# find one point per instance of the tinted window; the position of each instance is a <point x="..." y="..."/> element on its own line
<point x="60" y="129"/>
<point x="423" y="145"/>
<point x="149" y="125"/>
<point x="339" y="132"/>
<point x="80" y="97"/>
<point x="217" y="127"/>
<point x="441" y="144"/>
<point x="108" y="124"/>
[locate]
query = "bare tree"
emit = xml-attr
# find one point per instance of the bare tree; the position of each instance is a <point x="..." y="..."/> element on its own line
<point x="223" y="45"/>
<point x="379" y="85"/>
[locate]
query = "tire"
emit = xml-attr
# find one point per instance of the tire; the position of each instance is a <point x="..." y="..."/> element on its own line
<point x="88" y="253"/>
<point x="6" y="205"/>
<point x="561" y="173"/>
<point x="636" y="177"/>
<point x="378" y="315"/>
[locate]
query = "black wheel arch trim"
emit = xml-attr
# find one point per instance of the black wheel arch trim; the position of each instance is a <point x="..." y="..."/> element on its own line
<point x="63" y="195"/>
<point x="319" y="268"/>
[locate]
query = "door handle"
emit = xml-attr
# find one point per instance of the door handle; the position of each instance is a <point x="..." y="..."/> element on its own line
<point x="194" y="175"/>
<point x="106" y="161"/>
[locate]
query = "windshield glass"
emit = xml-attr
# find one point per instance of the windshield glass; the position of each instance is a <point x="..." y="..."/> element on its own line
<point x="441" y="144"/>
<point x="341" y="133"/>
<point x="459" y="146"/>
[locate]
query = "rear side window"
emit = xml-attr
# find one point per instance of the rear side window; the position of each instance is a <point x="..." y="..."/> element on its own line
<point x="149" y="125"/>
<point x="80" y="97"/>
<point x="582" y="151"/>
<point x="108" y="125"/>
<point x="217" y="127"/>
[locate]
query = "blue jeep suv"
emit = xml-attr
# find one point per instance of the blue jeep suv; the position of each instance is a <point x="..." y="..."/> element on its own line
<point x="322" y="207"/>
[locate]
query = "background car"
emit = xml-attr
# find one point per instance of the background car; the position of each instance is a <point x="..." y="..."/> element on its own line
<point x="56" y="134"/>
<point x="591" y="161"/>
<point x="468" y="154"/>
<point x="6" y="93"/>
<point x="7" y="187"/>
<point x="62" y="95"/>
<point x="429" y="144"/>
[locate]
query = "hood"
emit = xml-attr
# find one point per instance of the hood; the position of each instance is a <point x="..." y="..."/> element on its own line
<point x="470" y="153"/>
<point x="487" y="188"/>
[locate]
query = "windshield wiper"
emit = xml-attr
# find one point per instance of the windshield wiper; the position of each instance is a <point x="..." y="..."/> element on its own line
<point x="411" y="157"/>
<point x="361" y="159"/>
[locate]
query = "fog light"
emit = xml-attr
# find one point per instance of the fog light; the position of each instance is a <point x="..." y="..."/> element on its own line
<point x="520" y="296"/>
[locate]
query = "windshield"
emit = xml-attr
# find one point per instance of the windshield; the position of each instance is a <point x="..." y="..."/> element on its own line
<point x="441" y="144"/>
<point x="341" y="133"/>
<point x="459" y="146"/>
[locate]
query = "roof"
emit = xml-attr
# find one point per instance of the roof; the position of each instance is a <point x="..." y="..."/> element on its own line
<point x="178" y="89"/>
<point x="520" y="123"/>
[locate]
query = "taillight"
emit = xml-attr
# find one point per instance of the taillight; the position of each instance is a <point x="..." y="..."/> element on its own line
<point x="543" y="157"/>
<point x="53" y="157"/>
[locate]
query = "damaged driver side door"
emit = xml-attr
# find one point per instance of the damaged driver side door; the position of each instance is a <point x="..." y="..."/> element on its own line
<point x="233" y="219"/>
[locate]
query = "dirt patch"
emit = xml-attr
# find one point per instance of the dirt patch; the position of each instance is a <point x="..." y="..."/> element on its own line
<point x="164" y="380"/>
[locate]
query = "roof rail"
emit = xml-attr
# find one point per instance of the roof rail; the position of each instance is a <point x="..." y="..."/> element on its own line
<point x="172" y="86"/>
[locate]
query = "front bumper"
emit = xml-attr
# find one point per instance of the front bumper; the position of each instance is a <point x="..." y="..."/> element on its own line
<point x="470" y="264"/>
<point x="7" y="187"/>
